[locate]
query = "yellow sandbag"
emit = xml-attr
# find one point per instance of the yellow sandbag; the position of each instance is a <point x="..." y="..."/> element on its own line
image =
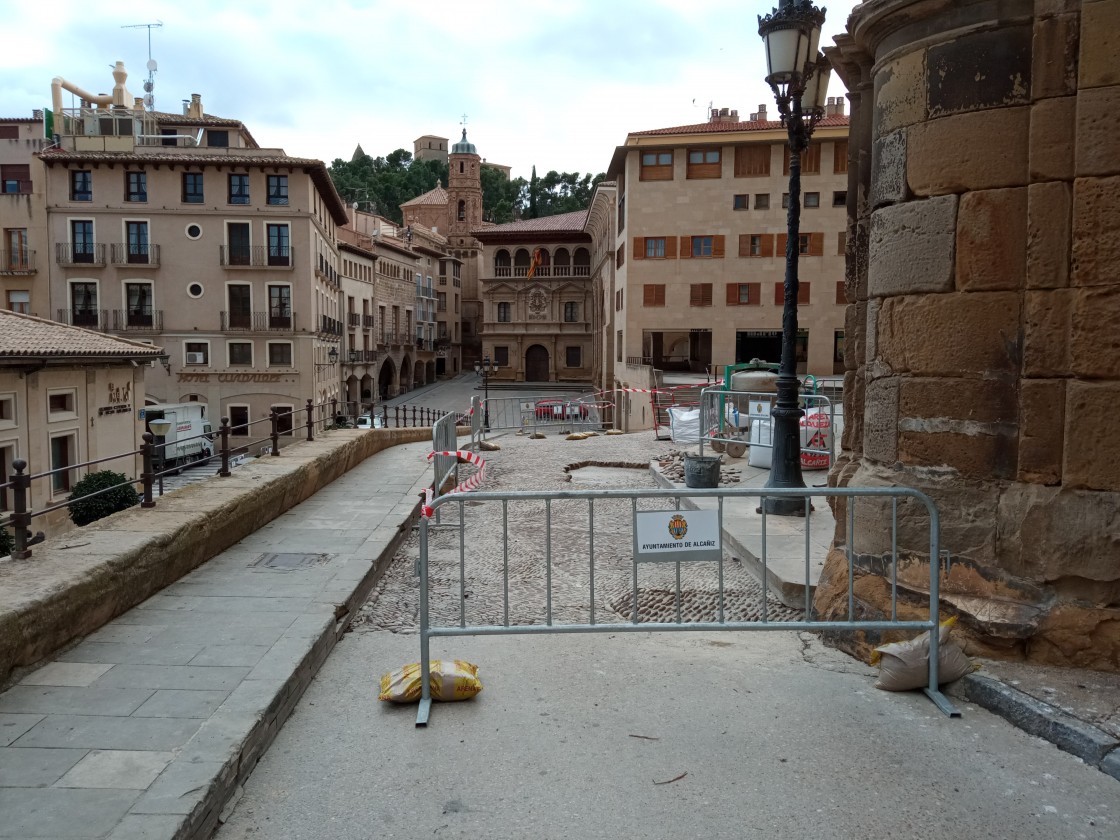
<point x="449" y="680"/>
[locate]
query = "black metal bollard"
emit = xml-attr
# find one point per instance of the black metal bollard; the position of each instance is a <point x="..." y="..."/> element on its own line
<point x="310" y="421"/>
<point x="385" y="416"/>
<point x="21" y="516"/>
<point x="334" y="410"/>
<point x="223" y="430"/>
<point x="147" y="475"/>
<point x="413" y="416"/>
<point x="397" y="416"/>
<point x="275" y="418"/>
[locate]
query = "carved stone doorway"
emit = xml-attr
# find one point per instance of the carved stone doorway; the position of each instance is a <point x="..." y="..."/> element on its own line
<point x="536" y="364"/>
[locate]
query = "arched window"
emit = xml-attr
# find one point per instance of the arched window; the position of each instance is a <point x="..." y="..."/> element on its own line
<point x="503" y="313"/>
<point x="462" y="213"/>
<point x="561" y="262"/>
<point x="571" y="312"/>
<point x="521" y="263"/>
<point x="502" y="263"/>
<point x="460" y="167"/>
<point x="582" y="263"/>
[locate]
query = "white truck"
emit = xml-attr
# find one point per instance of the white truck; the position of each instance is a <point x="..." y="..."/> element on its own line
<point x="188" y="439"/>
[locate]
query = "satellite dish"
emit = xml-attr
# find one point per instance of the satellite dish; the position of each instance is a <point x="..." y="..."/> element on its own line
<point x="152" y="65"/>
<point x="148" y="86"/>
<point x="149" y="101"/>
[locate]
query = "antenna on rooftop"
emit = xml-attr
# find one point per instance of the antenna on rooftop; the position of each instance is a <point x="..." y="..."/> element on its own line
<point x="149" y="86"/>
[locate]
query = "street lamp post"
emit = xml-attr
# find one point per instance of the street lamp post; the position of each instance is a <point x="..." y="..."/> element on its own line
<point x="160" y="428"/>
<point x="485" y="369"/>
<point x="798" y="75"/>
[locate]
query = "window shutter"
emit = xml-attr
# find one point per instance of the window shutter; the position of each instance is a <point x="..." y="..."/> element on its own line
<point x="816" y="244"/>
<point x="670" y="247"/>
<point x="659" y="294"/>
<point x="686" y="247"/>
<point x="639" y="247"/>
<point x="705" y="294"/>
<point x="695" y="296"/>
<point x="780" y="246"/>
<point x="779" y="294"/>
<point x="744" y="244"/>
<point x="767" y="245"/>
<point x="732" y="294"/>
<point x="803" y="292"/>
<point x="841" y="297"/>
<point x="754" y="294"/>
<point x="840" y="156"/>
<point x="648" y="295"/>
<point x="717" y="245"/>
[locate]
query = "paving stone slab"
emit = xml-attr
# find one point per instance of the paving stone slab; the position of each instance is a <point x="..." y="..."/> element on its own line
<point x="30" y="767"/>
<point x="147" y="827"/>
<point x="209" y="635"/>
<point x="61" y="700"/>
<point x="230" y="655"/>
<point x="220" y="619"/>
<point x="78" y="674"/>
<point x="107" y="733"/>
<point x="13" y="725"/>
<point x="117" y="769"/>
<point x="50" y="812"/>
<point x="116" y="653"/>
<point x="199" y="678"/>
<point x="178" y="703"/>
<point x="221" y="604"/>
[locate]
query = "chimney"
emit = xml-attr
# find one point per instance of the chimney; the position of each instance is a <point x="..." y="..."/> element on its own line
<point x="195" y="109"/>
<point x="840" y="106"/>
<point x="724" y="113"/>
<point x="186" y="106"/>
<point x="138" y="103"/>
<point x="734" y="116"/>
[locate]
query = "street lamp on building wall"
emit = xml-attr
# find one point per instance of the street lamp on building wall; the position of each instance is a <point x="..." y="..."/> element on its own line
<point x="798" y="75"/>
<point x="484" y="369"/>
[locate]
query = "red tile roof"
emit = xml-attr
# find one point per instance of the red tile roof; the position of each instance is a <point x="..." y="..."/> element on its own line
<point x="562" y="222"/>
<point x="434" y="196"/>
<point x="25" y="336"/>
<point x="725" y="126"/>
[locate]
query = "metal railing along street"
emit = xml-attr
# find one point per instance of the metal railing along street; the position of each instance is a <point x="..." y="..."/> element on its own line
<point x="610" y="561"/>
<point x="544" y="412"/>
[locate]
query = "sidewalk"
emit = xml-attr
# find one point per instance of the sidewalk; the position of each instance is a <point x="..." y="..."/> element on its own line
<point x="148" y="727"/>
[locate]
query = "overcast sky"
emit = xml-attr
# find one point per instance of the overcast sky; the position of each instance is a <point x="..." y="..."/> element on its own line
<point x="555" y="83"/>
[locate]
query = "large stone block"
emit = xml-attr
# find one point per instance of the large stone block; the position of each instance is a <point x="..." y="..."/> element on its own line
<point x="980" y="402"/>
<point x="1094" y="333"/>
<point x="1097" y="142"/>
<point x="935" y="164"/>
<point x="1096" y="232"/>
<point x="1092" y="447"/>
<point x="980" y="70"/>
<point x="912" y="247"/>
<point x="1041" y="430"/>
<point x="1049" y="214"/>
<point x="1046" y="327"/>
<point x="888" y="170"/>
<point x="991" y="453"/>
<point x="854" y="387"/>
<point x="880" y="421"/>
<point x="872" y="349"/>
<point x="1055" y="55"/>
<point x="900" y="93"/>
<point x="1100" y="44"/>
<point x="1048" y="534"/>
<point x="855" y="334"/>
<point x="1051" y="140"/>
<point x="992" y="240"/>
<point x="973" y="334"/>
<point x="1075" y="636"/>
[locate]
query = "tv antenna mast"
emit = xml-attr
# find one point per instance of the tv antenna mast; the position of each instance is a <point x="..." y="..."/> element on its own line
<point x="149" y="86"/>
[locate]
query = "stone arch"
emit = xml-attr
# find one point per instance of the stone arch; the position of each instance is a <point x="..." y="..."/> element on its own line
<point x="581" y="264"/>
<point x="405" y="382"/>
<point x="521" y="261"/>
<point x="562" y="261"/>
<point x="537" y="364"/>
<point x="502" y="263"/>
<point x="387" y="380"/>
<point x="431" y="371"/>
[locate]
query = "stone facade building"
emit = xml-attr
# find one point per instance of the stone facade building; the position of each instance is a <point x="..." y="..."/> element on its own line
<point x="538" y="300"/>
<point x="982" y="364"/>
<point x="23" y="220"/>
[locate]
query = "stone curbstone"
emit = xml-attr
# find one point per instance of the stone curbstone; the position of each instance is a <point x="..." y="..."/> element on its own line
<point x="1041" y="719"/>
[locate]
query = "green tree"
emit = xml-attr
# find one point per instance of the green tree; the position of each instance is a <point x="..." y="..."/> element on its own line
<point x="382" y="184"/>
<point x="7" y="542"/>
<point x="503" y="199"/>
<point x="565" y="192"/>
<point x="85" y="507"/>
<point x="534" y="187"/>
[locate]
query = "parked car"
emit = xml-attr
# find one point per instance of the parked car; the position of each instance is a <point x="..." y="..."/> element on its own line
<point x="364" y="422"/>
<point x="554" y="409"/>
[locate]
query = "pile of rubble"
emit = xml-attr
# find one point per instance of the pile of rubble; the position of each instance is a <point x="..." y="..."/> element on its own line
<point x="671" y="465"/>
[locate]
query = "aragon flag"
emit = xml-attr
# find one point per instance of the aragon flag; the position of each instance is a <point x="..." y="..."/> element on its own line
<point x="533" y="265"/>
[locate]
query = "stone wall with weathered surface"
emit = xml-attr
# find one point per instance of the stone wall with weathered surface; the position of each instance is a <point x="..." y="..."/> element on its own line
<point x="983" y="359"/>
<point x="77" y="582"/>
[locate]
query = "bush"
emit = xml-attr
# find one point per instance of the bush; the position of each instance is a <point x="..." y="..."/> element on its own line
<point x="86" y="510"/>
<point x="7" y="542"/>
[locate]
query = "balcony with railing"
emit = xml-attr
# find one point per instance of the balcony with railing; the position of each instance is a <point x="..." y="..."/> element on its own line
<point x="542" y="271"/>
<point x="17" y="262"/>
<point x="327" y="272"/>
<point x="124" y="253"/>
<point x="138" y="320"/>
<point x="258" y="321"/>
<point x="79" y="253"/>
<point x="369" y="322"/>
<point x="353" y="319"/>
<point x="255" y="256"/>
<point x="330" y="326"/>
<point x="425" y="344"/>
<point x="92" y="319"/>
<point x="358" y="357"/>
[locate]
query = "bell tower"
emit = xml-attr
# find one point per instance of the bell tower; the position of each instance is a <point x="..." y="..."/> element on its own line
<point x="464" y="194"/>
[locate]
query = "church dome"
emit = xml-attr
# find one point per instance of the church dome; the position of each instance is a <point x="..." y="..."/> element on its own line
<point x="464" y="147"/>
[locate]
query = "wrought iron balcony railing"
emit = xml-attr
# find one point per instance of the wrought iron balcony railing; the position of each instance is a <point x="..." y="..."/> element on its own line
<point x="123" y="253"/>
<point x="255" y="256"/>
<point x="138" y="320"/>
<point x="258" y="321"/>
<point x="79" y="253"/>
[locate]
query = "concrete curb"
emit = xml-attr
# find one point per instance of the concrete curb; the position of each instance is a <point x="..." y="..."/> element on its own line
<point x="1092" y="745"/>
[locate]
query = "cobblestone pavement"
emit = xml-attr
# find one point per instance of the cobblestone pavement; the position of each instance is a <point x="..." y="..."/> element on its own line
<point x="615" y="461"/>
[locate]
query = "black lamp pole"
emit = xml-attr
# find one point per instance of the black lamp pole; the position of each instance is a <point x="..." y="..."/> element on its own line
<point x="796" y="72"/>
<point x="485" y="371"/>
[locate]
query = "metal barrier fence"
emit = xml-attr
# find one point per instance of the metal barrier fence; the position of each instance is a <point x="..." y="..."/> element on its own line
<point x="542" y="413"/>
<point x="580" y="553"/>
<point x="444" y="439"/>
<point x="733" y="420"/>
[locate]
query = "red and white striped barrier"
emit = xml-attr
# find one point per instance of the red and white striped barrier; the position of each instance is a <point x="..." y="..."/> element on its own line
<point x="471" y="483"/>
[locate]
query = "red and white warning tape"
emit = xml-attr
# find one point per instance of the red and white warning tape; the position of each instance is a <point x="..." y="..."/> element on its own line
<point x="471" y="483"/>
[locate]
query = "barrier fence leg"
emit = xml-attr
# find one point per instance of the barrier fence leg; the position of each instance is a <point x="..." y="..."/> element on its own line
<point x="275" y="418"/>
<point x="310" y="421"/>
<point x="425" y="709"/>
<point x="223" y="430"/>
<point x="21" y="516"/>
<point x="146" y="474"/>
